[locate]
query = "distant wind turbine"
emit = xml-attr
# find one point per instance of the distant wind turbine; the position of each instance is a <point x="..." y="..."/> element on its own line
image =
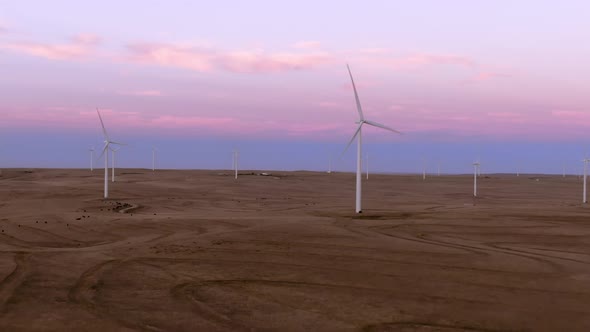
<point x="113" y="163"/>
<point x="91" y="159"/>
<point x="367" y="166"/>
<point x="105" y="152"/>
<point x="475" y="175"/>
<point x="358" y="136"/>
<point x="154" y="158"/>
<point x="330" y="164"/>
<point x="235" y="155"/>
<point x="586" y="160"/>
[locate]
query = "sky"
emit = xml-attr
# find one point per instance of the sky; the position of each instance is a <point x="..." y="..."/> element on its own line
<point x="502" y="82"/>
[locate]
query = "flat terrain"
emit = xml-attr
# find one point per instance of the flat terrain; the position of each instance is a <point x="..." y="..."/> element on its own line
<point x="200" y="251"/>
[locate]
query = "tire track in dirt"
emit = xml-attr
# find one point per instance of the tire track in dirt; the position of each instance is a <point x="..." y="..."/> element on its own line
<point x="89" y="284"/>
<point x="480" y="250"/>
<point x="418" y="326"/>
<point x="12" y="281"/>
<point x="500" y="245"/>
<point x="205" y="311"/>
<point x="469" y="249"/>
<point x="85" y="287"/>
<point x="496" y="247"/>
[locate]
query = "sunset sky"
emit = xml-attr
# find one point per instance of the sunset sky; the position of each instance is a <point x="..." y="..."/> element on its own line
<point x="507" y="82"/>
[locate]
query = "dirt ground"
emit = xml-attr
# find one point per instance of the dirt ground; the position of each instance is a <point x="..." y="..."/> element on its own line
<point x="200" y="251"/>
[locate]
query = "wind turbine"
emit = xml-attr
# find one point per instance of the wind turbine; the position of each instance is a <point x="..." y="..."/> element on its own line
<point x="358" y="136"/>
<point x="423" y="169"/>
<point x="235" y="155"/>
<point x="330" y="165"/>
<point x="367" y="166"/>
<point x="91" y="158"/>
<point x="105" y="152"/>
<point x="113" y="163"/>
<point x="586" y="160"/>
<point x="475" y="172"/>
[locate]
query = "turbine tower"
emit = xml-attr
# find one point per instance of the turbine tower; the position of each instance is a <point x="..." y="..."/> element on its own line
<point x="113" y="163"/>
<point x="586" y="160"/>
<point x="235" y="155"/>
<point x="475" y="174"/>
<point x="105" y="152"/>
<point x="367" y="166"/>
<point x="358" y="136"/>
<point x="91" y="158"/>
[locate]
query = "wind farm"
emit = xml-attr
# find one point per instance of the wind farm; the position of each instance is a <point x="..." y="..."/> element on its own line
<point x="472" y="122"/>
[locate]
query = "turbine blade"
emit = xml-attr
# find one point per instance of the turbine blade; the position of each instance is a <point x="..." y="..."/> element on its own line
<point x="113" y="142"/>
<point x="352" y="139"/>
<point x="356" y="96"/>
<point x="375" y="124"/>
<point x="104" y="131"/>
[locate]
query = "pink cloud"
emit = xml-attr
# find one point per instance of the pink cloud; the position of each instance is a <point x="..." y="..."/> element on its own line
<point x="86" y="39"/>
<point x="80" y="46"/>
<point x="570" y="114"/>
<point x="170" y="121"/>
<point x="142" y="93"/>
<point x="578" y="118"/>
<point x="172" y="56"/>
<point x="303" y="129"/>
<point x="204" y="59"/>
<point x="487" y="75"/>
<point x="512" y="117"/>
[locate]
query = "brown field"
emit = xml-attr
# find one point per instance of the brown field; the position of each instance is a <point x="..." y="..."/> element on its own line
<point x="199" y="251"/>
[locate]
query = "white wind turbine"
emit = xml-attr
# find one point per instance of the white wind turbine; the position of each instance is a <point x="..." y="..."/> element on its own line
<point x="475" y="175"/>
<point x="105" y="152"/>
<point x="367" y="166"/>
<point x="235" y="155"/>
<point x="113" y="163"/>
<point x="91" y="159"/>
<point x="586" y="160"/>
<point x="330" y="164"/>
<point x="358" y="136"/>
